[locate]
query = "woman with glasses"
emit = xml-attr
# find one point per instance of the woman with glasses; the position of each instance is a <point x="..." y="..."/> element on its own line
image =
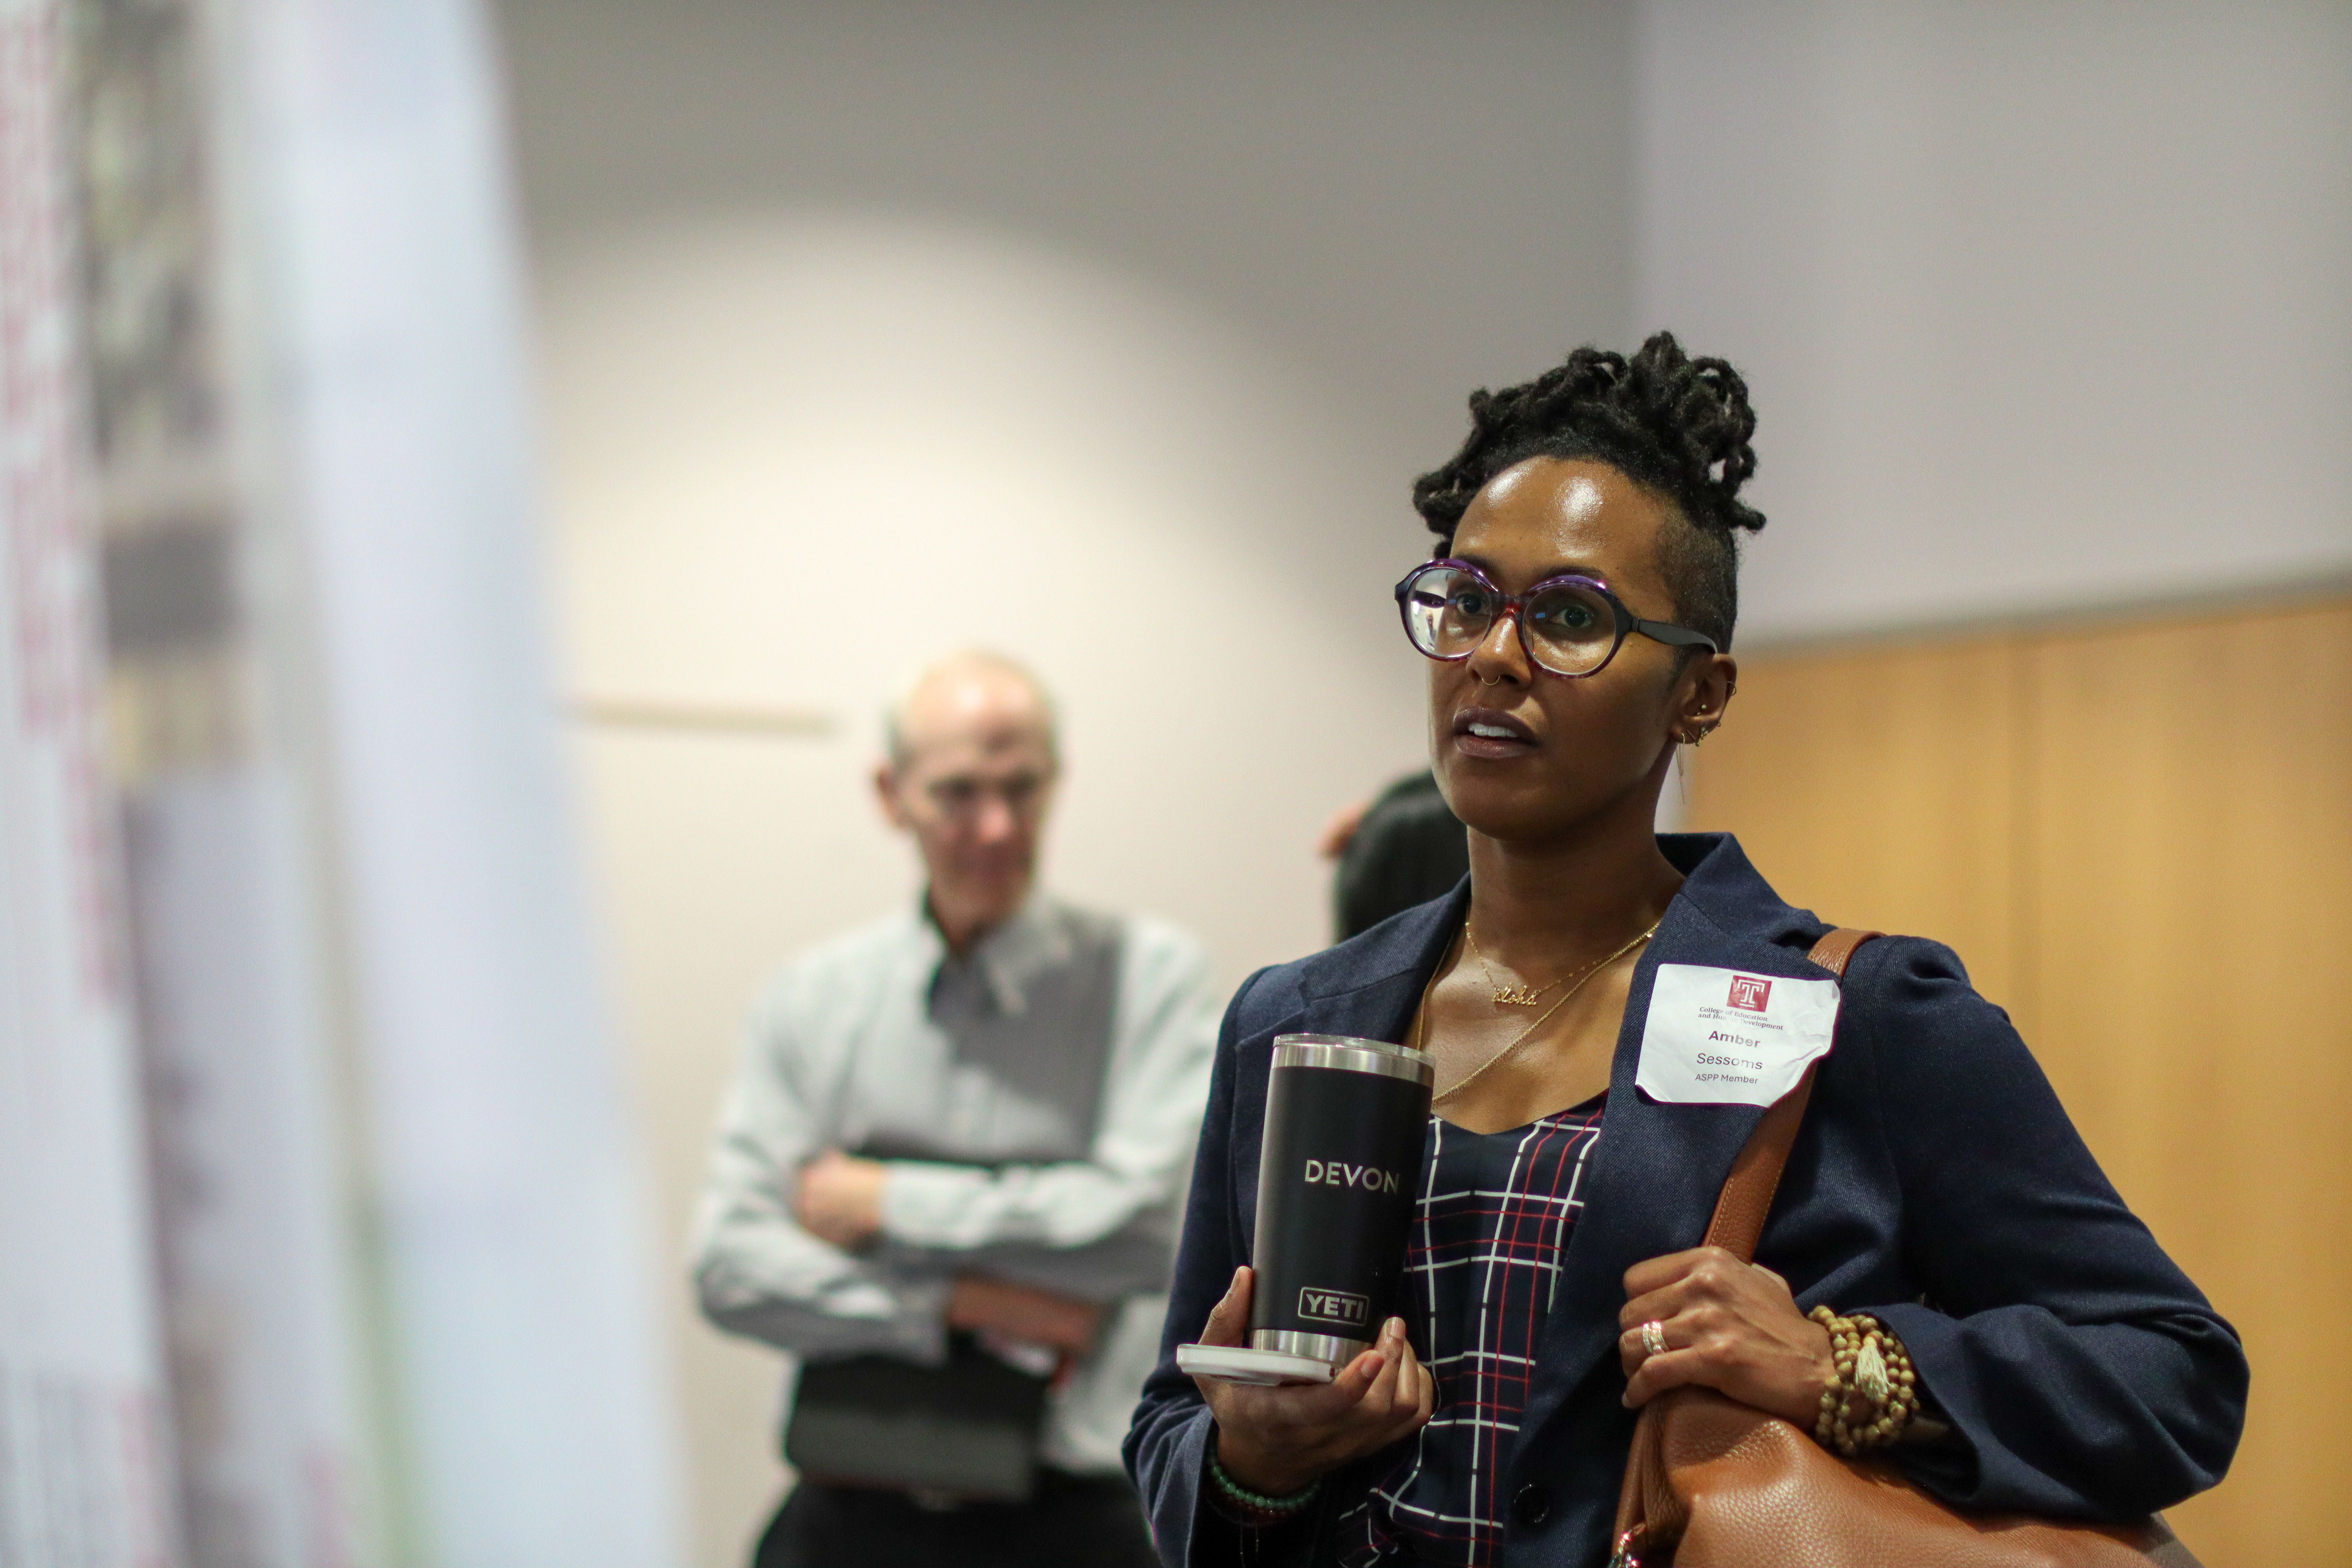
<point x="1598" y="1001"/>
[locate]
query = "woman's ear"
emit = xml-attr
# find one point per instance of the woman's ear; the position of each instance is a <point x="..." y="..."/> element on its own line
<point x="1707" y="689"/>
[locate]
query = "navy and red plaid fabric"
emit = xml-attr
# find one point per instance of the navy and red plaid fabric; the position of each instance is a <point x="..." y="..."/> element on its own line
<point x="1491" y="1230"/>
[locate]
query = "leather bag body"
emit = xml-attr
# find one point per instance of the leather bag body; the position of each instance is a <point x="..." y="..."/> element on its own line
<point x="1712" y="1483"/>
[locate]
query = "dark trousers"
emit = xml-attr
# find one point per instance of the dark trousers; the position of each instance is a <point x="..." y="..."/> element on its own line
<point x="1074" y="1521"/>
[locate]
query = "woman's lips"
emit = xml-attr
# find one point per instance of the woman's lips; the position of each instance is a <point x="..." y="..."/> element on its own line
<point x="1490" y="734"/>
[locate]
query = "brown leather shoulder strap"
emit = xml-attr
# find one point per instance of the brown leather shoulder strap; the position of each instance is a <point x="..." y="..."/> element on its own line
<point x="1836" y="950"/>
<point x="1647" y="1509"/>
<point x="1747" y="1199"/>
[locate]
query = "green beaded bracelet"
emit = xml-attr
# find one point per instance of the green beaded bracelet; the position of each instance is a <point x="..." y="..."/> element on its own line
<point x="1258" y="1502"/>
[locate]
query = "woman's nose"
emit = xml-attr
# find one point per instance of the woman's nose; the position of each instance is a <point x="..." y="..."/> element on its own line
<point x="1498" y="656"/>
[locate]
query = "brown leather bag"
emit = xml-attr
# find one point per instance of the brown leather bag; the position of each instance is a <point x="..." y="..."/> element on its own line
<point x="1712" y="1483"/>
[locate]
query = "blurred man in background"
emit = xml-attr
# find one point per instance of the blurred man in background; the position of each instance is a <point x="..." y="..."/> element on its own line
<point x="950" y="1169"/>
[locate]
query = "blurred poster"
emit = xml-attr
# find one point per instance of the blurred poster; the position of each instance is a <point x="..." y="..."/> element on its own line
<point x="85" y="1478"/>
<point x="320" y="1243"/>
<point x="246" y="1118"/>
<point x="508" y="1237"/>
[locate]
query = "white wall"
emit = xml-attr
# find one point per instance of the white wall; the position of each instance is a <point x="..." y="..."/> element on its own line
<point x="1407" y="201"/>
<point x="2045" y="306"/>
<point x="798" y="457"/>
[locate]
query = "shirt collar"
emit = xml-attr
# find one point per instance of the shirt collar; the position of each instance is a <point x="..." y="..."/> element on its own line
<point x="1008" y="957"/>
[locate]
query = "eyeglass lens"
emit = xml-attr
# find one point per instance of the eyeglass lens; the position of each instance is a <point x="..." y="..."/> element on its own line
<point x="1569" y="629"/>
<point x="961" y="796"/>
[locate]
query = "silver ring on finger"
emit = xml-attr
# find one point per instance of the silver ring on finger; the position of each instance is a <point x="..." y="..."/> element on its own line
<point x="1653" y="1338"/>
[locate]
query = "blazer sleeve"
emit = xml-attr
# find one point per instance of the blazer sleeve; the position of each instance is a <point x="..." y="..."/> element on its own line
<point x="2084" y="1374"/>
<point x="1167" y="1447"/>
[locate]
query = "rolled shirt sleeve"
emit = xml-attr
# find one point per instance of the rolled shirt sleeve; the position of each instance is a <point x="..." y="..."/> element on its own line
<point x="756" y="1271"/>
<point x="1163" y="1040"/>
<point x="842" y="1052"/>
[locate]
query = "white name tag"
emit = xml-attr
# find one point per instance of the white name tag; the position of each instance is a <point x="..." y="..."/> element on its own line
<point x="1717" y="1036"/>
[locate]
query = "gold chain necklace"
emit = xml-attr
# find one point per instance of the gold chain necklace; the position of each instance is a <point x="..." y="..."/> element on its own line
<point x="1516" y="995"/>
<point x="1529" y="1033"/>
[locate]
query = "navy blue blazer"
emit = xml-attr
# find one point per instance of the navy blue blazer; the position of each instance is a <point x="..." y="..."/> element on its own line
<point x="1936" y="1183"/>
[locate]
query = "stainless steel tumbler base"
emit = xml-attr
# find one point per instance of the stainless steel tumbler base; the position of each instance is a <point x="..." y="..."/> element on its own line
<point x="1322" y="1347"/>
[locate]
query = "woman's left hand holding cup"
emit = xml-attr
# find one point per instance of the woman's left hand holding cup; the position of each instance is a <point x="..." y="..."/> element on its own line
<point x="1281" y="1440"/>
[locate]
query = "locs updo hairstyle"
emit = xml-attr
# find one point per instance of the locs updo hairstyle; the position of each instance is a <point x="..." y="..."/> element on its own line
<point x="1676" y="425"/>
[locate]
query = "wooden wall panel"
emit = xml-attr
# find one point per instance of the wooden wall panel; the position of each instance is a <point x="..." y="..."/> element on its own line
<point x="2189" y="934"/>
<point x="2139" y="838"/>
<point x="1866" y="785"/>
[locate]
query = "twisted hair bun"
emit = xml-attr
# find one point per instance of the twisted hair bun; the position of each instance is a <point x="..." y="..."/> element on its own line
<point x="1677" y="425"/>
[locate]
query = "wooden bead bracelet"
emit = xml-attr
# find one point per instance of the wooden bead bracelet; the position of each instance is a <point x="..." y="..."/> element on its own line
<point x="1873" y="1394"/>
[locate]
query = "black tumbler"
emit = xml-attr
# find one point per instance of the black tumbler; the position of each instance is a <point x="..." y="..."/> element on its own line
<point x="1345" y="1123"/>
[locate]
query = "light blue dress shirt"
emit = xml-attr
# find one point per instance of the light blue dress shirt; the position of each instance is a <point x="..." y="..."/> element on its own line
<point x="1018" y="1148"/>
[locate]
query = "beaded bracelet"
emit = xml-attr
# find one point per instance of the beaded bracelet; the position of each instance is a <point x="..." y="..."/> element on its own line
<point x="1872" y="1368"/>
<point x="1256" y="1507"/>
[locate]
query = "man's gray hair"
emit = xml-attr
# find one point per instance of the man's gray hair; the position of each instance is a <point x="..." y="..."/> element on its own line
<point x="894" y="716"/>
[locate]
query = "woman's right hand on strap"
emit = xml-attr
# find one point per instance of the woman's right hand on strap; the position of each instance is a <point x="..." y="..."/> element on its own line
<point x="1280" y="1440"/>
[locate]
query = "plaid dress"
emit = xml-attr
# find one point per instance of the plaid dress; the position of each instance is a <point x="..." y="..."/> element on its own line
<point x="1491" y="1230"/>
